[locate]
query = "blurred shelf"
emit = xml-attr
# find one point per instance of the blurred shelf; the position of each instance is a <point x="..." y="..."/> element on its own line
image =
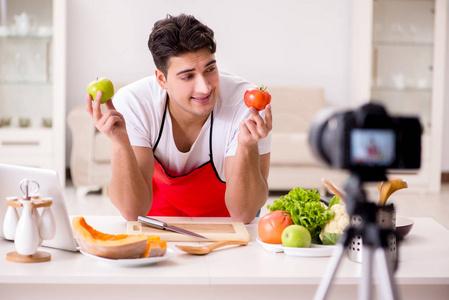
<point x="404" y="90"/>
<point x="26" y="37"/>
<point x="402" y="44"/>
<point x="30" y="83"/>
<point x="17" y="129"/>
<point x="399" y="51"/>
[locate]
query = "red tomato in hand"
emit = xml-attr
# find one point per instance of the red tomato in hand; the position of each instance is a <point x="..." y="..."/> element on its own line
<point x="257" y="98"/>
<point x="272" y="225"/>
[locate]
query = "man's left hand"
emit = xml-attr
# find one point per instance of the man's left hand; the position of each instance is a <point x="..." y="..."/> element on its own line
<point x="255" y="127"/>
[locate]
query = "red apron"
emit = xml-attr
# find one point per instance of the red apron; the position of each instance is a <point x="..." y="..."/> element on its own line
<point x="199" y="193"/>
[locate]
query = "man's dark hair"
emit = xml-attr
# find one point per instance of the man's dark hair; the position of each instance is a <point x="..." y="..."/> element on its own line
<point x="174" y="36"/>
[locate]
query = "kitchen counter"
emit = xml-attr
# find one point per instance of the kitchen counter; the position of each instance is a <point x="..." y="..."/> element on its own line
<point x="248" y="272"/>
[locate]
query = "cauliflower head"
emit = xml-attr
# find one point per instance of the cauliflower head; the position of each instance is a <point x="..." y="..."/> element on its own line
<point x="336" y="226"/>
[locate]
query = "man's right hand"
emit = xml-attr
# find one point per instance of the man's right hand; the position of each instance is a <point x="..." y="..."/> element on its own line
<point x="111" y="123"/>
<point x="130" y="190"/>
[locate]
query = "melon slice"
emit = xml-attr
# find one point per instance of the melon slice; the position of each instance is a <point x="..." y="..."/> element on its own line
<point x="116" y="246"/>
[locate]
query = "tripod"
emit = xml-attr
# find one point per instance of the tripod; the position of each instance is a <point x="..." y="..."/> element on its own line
<point x="374" y="243"/>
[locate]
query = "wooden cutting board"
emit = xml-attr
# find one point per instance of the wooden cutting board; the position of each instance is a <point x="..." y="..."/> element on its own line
<point x="214" y="231"/>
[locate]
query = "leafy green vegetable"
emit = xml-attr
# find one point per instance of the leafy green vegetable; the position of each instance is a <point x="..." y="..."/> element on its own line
<point x="330" y="238"/>
<point x="334" y="200"/>
<point x="305" y="208"/>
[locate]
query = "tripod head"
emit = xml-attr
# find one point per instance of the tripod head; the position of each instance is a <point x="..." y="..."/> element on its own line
<point x="356" y="200"/>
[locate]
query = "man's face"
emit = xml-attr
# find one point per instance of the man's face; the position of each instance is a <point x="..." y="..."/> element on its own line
<point x="192" y="83"/>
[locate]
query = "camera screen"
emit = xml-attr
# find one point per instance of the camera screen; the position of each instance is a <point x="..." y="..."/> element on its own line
<point x="372" y="147"/>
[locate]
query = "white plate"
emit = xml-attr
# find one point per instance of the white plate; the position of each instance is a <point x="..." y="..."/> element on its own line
<point x="133" y="262"/>
<point x="315" y="250"/>
<point x="276" y="248"/>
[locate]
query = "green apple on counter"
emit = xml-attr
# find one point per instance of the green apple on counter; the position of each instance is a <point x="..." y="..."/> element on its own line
<point x="296" y="236"/>
<point x="101" y="84"/>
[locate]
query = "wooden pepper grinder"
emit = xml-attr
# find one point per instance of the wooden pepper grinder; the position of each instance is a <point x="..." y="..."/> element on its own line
<point x="27" y="238"/>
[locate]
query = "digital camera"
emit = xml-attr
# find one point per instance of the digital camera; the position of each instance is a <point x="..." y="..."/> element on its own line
<point x="366" y="140"/>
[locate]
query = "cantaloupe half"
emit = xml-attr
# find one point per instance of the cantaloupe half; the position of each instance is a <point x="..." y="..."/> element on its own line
<point x="116" y="246"/>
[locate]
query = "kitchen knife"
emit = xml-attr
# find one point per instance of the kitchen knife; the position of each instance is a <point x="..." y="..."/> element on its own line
<point x="325" y="200"/>
<point x="162" y="225"/>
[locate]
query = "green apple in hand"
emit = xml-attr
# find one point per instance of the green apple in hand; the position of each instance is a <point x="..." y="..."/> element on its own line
<point x="101" y="84"/>
<point x="296" y="236"/>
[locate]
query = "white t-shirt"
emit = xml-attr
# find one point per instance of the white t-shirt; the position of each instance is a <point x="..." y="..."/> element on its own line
<point x="143" y="103"/>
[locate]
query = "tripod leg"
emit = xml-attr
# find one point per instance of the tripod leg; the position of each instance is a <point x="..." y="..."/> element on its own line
<point x="323" y="288"/>
<point x="365" y="291"/>
<point x="385" y="273"/>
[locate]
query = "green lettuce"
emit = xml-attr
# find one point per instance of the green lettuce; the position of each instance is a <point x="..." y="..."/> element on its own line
<point x="305" y="208"/>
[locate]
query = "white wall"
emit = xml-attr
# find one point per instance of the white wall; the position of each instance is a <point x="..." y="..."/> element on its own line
<point x="265" y="41"/>
<point x="298" y="42"/>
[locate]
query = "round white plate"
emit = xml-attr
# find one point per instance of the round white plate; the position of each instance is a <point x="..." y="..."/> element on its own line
<point x="133" y="262"/>
<point x="315" y="250"/>
<point x="271" y="247"/>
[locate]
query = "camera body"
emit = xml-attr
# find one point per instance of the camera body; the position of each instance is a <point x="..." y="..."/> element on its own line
<point x="366" y="141"/>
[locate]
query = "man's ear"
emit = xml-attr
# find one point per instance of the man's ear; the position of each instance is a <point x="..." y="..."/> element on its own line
<point x="160" y="77"/>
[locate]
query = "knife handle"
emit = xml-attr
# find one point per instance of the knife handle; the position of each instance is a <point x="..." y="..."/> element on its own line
<point x="152" y="222"/>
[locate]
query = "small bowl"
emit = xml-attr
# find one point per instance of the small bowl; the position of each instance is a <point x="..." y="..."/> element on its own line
<point x="24" y="122"/>
<point x="403" y="227"/>
<point x="5" y="121"/>
<point x="47" y="122"/>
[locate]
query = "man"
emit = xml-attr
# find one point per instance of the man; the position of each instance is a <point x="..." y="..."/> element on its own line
<point x="189" y="147"/>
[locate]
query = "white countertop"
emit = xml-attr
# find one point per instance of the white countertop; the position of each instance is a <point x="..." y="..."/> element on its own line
<point x="239" y="271"/>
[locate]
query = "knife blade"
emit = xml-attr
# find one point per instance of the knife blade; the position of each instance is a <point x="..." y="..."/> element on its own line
<point x="325" y="200"/>
<point x="164" y="226"/>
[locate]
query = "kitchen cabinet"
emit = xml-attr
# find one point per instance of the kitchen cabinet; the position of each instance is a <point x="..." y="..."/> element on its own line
<point x="398" y="57"/>
<point x="32" y="83"/>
